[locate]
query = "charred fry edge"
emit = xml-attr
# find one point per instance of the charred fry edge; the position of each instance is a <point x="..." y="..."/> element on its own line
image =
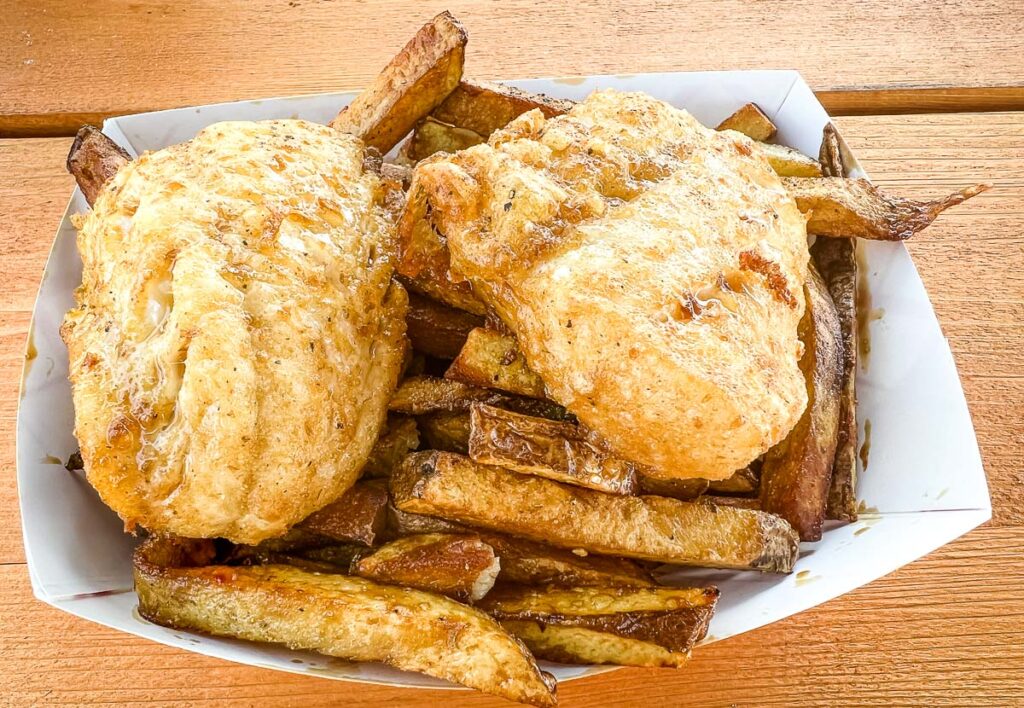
<point x="437" y="329"/>
<point x="420" y="395"/>
<point x="483" y="107"/>
<point x="93" y="161"/>
<point x="560" y="451"/>
<point x="399" y="437"/>
<point x="649" y="528"/>
<point x="841" y="207"/>
<point x="337" y="615"/>
<point x="359" y="515"/>
<point x="413" y="83"/>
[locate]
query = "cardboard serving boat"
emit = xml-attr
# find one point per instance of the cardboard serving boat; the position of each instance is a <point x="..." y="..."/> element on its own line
<point x="923" y="487"/>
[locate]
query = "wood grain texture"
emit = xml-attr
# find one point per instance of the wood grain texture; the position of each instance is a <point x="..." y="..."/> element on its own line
<point x="141" y="55"/>
<point x="947" y="630"/>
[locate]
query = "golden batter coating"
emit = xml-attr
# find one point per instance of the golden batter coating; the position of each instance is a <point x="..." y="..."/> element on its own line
<point x="652" y="270"/>
<point x="237" y="334"/>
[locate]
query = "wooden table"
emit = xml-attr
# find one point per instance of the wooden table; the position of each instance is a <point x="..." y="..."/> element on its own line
<point x="946" y="630"/>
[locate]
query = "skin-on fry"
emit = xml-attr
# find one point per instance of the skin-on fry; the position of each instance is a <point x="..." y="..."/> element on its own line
<point x="420" y="395"/>
<point x="751" y="121"/>
<point x="460" y="566"/>
<point x="855" y="208"/>
<point x="738" y="502"/>
<point x="685" y="489"/>
<point x="493" y="360"/>
<point x="437" y="329"/>
<point x="648" y="528"/>
<point x="743" y="481"/>
<point x="531" y="563"/>
<point x="446" y="431"/>
<point x="398" y="438"/>
<point x="796" y="473"/>
<point x="836" y="259"/>
<point x="358" y="516"/>
<point x="557" y="450"/>
<point x="655" y="626"/>
<point x="413" y="83"/>
<point x="93" y="161"/>
<point x="432" y="136"/>
<point x="788" y="162"/>
<point x="483" y="106"/>
<point x="350" y="618"/>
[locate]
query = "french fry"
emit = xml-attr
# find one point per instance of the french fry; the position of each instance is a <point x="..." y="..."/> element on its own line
<point x="93" y="161"/>
<point x="338" y="555"/>
<point x="751" y="121"/>
<point x="460" y="566"/>
<point x="529" y="562"/>
<point x="836" y="259"/>
<point x="432" y="136"/>
<point x="649" y="528"/>
<point x="446" y="431"/>
<point x="414" y="82"/>
<point x="359" y="516"/>
<point x="796" y="473"/>
<point x="398" y="438"/>
<point x="742" y="481"/>
<point x="685" y="489"/>
<point x="738" y="502"/>
<point x="437" y="329"/>
<point x="483" y="107"/>
<point x="553" y="449"/>
<point x="337" y="615"/>
<point x="655" y="626"/>
<point x="493" y="360"/>
<point x="420" y="395"/>
<point x="844" y="208"/>
<point x="788" y="162"/>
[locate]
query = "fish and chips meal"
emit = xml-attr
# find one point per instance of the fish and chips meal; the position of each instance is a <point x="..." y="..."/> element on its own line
<point x="450" y="410"/>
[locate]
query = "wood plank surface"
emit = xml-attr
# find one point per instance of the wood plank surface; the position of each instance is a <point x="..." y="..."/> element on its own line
<point x="140" y="55"/>
<point x="947" y="630"/>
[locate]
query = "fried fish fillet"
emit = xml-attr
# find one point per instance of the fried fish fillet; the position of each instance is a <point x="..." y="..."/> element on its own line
<point x="237" y="334"/>
<point x="651" y="269"/>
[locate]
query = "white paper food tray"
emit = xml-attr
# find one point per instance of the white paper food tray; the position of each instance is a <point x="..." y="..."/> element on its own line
<point x="924" y="485"/>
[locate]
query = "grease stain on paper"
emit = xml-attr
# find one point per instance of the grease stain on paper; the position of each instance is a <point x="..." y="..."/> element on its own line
<point x="570" y="80"/>
<point x="804" y="577"/>
<point x="864" y="310"/>
<point x="865" y="447"/>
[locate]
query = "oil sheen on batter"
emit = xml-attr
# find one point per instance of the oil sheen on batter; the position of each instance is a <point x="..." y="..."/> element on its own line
<point x="237" y="334"/>
<point x="652" y="270"/>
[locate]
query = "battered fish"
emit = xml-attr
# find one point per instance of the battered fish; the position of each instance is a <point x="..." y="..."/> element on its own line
<point x="237" y="334"/>
<point x="652" y="270"/>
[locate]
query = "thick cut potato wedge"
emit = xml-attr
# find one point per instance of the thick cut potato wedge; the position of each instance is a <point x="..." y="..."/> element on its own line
<point x="738" y="502"/>
<point x="457" y="565"/>
<point x="685" y="489"/>
<point x="358" y="516"/>
<point x="649" y="528"/>
<point x="437" y="329"/>
<point x="752" y="122"/>
<point x="557" y="450"/>
<point x="446" y="431"/>
<point x="420" y="395"/>
<point x="836" y="259"/>
<point x="796" y="473"/>
<point x="493" y="360"/>
<point x="531" y="563"/>
<point x="841" y="207"/>
<point x="483" y="107"/>
<point x="743" y="481"/>
<point x="398" y="438"/>
<point x="413" y="83"/>
<point x="432" y="136"/>
<point x="788" y="162"/>
<point x="93" y="161"/>
<point x="671" y="620"/>
<point x="337" y="615"/>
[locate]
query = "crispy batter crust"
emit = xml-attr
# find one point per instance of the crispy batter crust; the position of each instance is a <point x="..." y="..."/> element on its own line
<point x="237" y="333"/>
